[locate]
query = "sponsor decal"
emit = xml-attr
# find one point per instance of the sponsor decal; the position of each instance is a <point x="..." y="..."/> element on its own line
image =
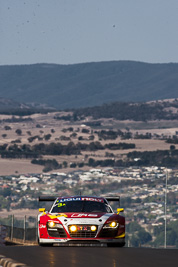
<point x="84" y="228"/>
<point x="92" y="199"/>
<point x="61" y="204"/>
<point x="80" y="215"/>
<point x="42" y="226"/>
<point x="62" y="215"/>
<point x="56" y="216"/>
<point x="80" y="199"/>
<point x="69" y="199"/>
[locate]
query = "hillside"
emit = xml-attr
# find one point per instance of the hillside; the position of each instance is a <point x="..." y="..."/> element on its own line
<point x="88" y="84"/>
<point x="6" y="104"/>
<point x="11" y="107"/>
<point x="155" y="110"/>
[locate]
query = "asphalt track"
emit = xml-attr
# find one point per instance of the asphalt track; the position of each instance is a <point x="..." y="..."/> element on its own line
<point x="35" y="256"/>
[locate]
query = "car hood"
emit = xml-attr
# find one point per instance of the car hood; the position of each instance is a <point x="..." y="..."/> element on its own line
<point x="77" y="215"/>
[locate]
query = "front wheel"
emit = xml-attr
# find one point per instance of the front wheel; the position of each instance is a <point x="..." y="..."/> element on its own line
<point x="44" y="244"/>
<point x="116" y="244"/>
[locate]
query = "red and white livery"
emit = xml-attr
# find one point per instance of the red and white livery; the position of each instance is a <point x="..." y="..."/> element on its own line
<point x="81" y="219"/>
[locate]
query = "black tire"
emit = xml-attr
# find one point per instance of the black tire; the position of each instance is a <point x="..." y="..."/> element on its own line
<point x="116" y="244"/>
<point x="45" y="244"/>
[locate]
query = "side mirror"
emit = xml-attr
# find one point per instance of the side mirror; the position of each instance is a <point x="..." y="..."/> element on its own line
<point x="42" y="210"/>
<point x="119" y="210"/>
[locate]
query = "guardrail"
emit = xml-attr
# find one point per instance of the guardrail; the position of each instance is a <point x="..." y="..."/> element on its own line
<point x="18" y="229"/>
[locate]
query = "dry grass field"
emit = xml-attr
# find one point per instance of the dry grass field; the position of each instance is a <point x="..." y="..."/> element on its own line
<point x="44" y="124"/>
<point x="19" y="213"/>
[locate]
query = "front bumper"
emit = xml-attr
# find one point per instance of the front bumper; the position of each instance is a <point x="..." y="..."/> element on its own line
<point x="95" y="241"/>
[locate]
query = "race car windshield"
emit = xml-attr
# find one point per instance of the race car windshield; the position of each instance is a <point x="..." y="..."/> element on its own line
<point x="81" y="206"/>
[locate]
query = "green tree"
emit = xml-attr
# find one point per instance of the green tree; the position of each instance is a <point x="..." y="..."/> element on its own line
<point x="18" y="132"/>
<point x="65" y="164"/>
<point x="134" y="241"/>
<point x="73" y="165"/>
<point x="172" y="147"/>
<point x="47" y="137"/>
<point x="144" y="236"/>
<point x="172" y="235"/>
<point x="7" y="128"/>
<point x="133" y="227"/>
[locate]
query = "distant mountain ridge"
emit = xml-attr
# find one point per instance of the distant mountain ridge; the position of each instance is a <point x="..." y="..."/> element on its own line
<point x="6" y="104"/>
<point x="89" y="84"/>
<point x="11" y="107"/>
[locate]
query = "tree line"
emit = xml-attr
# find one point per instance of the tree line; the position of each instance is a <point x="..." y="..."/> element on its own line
<point x="124" y="111"/>
<point x="27" y="151"/>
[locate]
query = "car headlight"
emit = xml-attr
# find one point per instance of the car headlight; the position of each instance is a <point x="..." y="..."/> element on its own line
<point x="111" y="225"/>
<point x="73" y="228"/>
<point x="51" y="224"/>
<point x="93" y="228"/>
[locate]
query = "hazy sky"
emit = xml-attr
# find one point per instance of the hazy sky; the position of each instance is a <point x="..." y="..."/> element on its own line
<point x="75" y="31"/>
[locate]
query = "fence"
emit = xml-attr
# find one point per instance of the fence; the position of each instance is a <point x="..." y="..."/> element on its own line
<point x="2" y="235"/>
<point x="19" y="228"/>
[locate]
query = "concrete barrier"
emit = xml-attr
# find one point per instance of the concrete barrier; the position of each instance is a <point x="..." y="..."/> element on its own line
<point x="20" y="242"/>
<point x="7" y="262"/>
